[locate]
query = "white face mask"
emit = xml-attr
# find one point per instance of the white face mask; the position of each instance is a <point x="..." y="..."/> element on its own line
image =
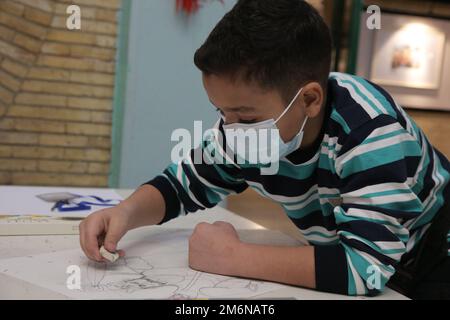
<point x="269" y="143"/>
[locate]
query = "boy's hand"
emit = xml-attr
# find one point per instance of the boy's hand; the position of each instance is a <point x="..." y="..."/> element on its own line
<point x="105" y="227"/>
<point x="213" y="248"/>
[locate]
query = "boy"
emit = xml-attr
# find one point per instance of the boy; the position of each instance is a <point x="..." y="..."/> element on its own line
<point x="355" y="173"/>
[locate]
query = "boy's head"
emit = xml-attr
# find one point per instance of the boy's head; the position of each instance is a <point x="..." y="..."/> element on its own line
<point x="258" y="57"/>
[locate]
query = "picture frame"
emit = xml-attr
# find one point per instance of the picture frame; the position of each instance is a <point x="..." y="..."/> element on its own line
<point x="408" y="53"/>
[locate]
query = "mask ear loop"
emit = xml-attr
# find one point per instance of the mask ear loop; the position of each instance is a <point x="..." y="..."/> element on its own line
<point x="290" y="105"/>
<point x="304" y="124"/>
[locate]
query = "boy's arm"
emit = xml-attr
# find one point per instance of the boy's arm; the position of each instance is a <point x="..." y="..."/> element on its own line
<point x="146" y="206"/>
<point x="216" y="248"/>
<point x="200" y="181"/>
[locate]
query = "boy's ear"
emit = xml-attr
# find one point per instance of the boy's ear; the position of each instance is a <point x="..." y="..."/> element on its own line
<point x="313" y="97"/>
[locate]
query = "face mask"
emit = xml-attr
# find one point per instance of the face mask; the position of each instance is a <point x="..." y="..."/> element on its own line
<point x="268" y="140"/>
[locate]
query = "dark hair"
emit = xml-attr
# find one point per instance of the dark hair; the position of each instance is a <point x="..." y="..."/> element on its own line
<point x="279" y="44"/>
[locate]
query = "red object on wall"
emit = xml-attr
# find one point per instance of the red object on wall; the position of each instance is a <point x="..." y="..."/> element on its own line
<point x="188" y="6"/>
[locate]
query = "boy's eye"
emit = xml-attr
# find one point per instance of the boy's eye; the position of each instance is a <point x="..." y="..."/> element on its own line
<point x="240" y="120"/>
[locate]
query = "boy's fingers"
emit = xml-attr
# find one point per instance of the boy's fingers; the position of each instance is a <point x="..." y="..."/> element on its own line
<point x="92" y="248"/>
<point x="83" y="242"/>
<point x="86" y="251"/>
<point x="114" y="234"/>
<point x="91" y="245"/>
<point x="111" y="240"/>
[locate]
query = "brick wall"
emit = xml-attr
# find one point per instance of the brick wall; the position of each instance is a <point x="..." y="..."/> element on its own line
<point x="56" y="90"/>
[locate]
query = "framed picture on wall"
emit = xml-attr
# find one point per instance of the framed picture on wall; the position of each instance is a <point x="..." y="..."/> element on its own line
<point x="408" y="53"/>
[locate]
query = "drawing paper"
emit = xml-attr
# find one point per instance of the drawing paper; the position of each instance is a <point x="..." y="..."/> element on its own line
<point x="18" y="200"/>
<point x="155" y="267"/>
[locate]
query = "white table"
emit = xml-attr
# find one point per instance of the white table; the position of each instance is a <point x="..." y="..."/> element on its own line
<point x="15" y="246"/>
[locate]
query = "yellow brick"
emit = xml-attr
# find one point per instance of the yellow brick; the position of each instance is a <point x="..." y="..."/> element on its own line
<point x="101" y="117"/>
<point x="87" y="154"/>
<point x="109" y="4"/>
<point x="5" y="178"/>
<point x="90" y="26"/>
<point x="6" y="33"/>
<point x="6" y="124"/>
<point x="41" y="100"/>
<point x="71" y="37"/>
<point x="38" y="16"/>
<point x="99" y="142"/>
<point x="103" y="66"/>
<point x="5" y="151"/>
<point x="23" y="25"/>
<point x="80" y="51"/>
<point x="86" y="12"/>
<point x="2" y="109"/>
<point x="27" y="43"/>
<point x="100" y="27"/>
<point x="12" y="7"/>
<point x="92" y="78"/>
<point x="18" y="138"/>
<point x="97" y="14"/>
<point x="35" y="179"/>
<point x="68" y="89"/>
<point x="15" y="53"/>
<point x="88" y="129"/>
<point x="76" y="64"/>
<point x="49" y="74"/>
<point x="106" y="15"/>
<point x="45" y="5"/>
<point x="63" y="62"/>
<point x="48" y="179"/>
<point x="18" y="165"/>
<point x="106" y="41"/>
<point x="49" y="113"/>
<point x="9" y="81"/>
<point x="6" y="95"/>
<point x="86" y="180"/>
<point x="62" y="166"/>
<point x="89" y="103"/>
<point x="55" y="49"/>
<point x="62" y="140"/>
<point x="14" y="68"/>
<point x="100" y="168"/>
<point x="37" y="152"/>
<point x="37" y="125"/>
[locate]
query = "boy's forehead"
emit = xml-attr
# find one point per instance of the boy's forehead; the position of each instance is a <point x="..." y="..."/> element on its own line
<point x="226" y="93"/>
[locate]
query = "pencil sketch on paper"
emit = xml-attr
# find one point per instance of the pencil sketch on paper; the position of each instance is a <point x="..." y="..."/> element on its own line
<point x="137" y="276"/>
<point x="155" y="267"/>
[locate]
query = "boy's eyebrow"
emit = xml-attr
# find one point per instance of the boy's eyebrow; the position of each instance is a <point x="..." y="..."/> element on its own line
<point x="235" y="109"/>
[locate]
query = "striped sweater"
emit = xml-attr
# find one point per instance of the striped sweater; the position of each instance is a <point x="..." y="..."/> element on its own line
<point x="363" y="195"/>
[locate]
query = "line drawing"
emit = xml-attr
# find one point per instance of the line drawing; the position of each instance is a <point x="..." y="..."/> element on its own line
<point x="155" y="267"/>
<point x="133" y="274"/>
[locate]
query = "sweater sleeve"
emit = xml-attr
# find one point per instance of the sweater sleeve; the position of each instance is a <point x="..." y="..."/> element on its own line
<point x="201" y="180"/>
<point x="375" y="166"/>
